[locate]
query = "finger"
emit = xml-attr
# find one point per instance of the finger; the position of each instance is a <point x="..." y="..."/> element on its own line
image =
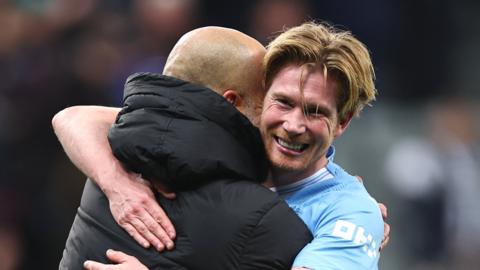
<point x="383" y="210"/>
<point x="165" y="191"/>
<point x="160" y="217"/>
<point x="155" y="228"/>
<point x="91" y="265"/>
<point x="359" y="178"/>
<point x="160" y="235"/>
<point x="168" y="195"/>
<point x="117" y="256"/>
<point x="384" y="243"/>
<point x="146" y="234"/>
<point x="135" y="234"/>
<point x="386" y="236"/>
<point x="386" y="230"/>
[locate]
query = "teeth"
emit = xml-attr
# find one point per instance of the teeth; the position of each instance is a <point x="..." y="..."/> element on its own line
<point x="292" y="146"/>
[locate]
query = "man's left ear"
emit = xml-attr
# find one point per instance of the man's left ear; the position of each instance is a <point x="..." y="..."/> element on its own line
<point x="343" y="124"/>
<point x="233" y="97"/>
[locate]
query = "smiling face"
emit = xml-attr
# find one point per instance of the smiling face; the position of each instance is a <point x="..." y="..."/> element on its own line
<point x="299" y="122"/>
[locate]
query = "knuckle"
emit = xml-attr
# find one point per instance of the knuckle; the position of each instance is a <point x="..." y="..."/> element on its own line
<point x="143" y="230"/>
<point x="157" y="244"/>
<point x="127" y="209"/>
<point x="132" y="232"/>
<point x="122" y="221"/>
<point x="164" y="238"/>
<point x="135" y="210"/>
<point x="151" y="225"/>
<point x="164" y="221"/>
<point x="129" y="230"/>
<point x="128" y="217"/>
<point x="160" y="218"/>
<point x="144" y="200"/>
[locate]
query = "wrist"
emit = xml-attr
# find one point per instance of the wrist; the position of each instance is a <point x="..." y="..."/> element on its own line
<point x="111" y="177"/>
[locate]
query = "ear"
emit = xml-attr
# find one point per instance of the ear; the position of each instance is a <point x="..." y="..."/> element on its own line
<point x="233" y="98"/>
<point x="342" y="126"/>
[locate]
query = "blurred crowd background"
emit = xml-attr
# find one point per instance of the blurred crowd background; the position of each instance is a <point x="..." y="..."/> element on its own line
<point x="417" y="148"/>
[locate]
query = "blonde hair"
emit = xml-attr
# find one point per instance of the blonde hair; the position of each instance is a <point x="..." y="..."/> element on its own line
<point x="338" y="52"/>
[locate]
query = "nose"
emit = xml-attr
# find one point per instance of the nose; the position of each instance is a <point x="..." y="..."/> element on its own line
<point x="294" y="122"/>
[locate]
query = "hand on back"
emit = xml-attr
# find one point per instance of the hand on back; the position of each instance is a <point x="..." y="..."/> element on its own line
<point x="135" y="209"/>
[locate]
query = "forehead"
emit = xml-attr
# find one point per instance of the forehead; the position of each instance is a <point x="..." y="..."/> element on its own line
<point x="301" y="83"/>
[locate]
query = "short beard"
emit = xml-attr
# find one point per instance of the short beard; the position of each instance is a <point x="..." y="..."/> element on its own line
<point x="285" y="167"/>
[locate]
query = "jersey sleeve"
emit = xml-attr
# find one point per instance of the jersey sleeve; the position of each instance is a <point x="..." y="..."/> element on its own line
<point x="347" y="235"/>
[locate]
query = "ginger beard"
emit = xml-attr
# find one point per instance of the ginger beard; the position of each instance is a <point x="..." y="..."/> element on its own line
<point x="298" y="124"/>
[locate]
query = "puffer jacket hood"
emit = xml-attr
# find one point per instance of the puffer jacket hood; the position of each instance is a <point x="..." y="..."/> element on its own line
<point x="169" y="130"/>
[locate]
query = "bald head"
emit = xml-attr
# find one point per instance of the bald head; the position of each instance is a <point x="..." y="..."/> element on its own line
<point x="222" y="59"/>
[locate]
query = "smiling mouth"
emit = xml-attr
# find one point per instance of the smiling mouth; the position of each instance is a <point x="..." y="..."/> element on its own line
<point x="297" y="147"/>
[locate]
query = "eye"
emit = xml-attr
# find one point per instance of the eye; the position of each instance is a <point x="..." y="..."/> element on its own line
<point x="314" y="112"/>
<point x="283" y="102"/>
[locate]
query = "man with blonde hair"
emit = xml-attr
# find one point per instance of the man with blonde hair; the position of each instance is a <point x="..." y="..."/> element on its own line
<point x="317" y="78"/>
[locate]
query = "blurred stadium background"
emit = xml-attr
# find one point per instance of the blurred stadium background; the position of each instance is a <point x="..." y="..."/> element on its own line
<point x="417" y="148"/>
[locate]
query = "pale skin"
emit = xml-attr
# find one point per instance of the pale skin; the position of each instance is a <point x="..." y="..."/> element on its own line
<point x="132" y="201"/>
<point x="122" y="262"/>
<point x="298" y="128"/>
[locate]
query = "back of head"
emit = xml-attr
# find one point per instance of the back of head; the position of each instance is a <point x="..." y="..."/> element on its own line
<point x="339" y="53"/>
<point x="219" y="58"/>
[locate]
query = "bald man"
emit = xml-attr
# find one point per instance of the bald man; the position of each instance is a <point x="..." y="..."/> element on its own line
<point x="175" y="128"/>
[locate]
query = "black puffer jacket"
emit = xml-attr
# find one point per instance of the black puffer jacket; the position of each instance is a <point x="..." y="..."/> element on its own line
<point x="184" y="134"/>
<point x="203" y="147"/>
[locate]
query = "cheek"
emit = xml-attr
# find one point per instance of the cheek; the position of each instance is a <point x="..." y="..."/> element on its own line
<point x="323" y="126"/>
<point x="323" y="130"/>
<point x="265" y="122"/>
<point x="331" y="125"/>
<point x="270" y="115"/>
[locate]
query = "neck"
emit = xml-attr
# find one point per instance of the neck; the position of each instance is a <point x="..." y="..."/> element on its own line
<point x="280" y="176"/>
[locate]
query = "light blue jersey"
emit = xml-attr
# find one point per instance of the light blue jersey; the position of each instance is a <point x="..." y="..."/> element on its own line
<point x="345" y="221"/>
